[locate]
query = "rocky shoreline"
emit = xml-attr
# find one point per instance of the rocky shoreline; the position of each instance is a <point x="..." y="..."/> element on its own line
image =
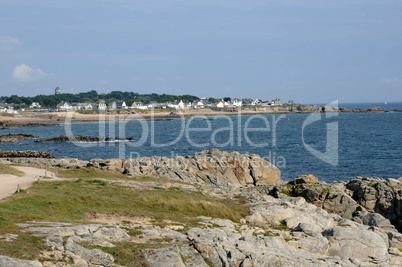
<point x="14" y="138"/>
<point x="25" y="154"/>
<point x="82" y="138"/>
<point x="304" y="222"/>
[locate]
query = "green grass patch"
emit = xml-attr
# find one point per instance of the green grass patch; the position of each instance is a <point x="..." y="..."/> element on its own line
<point x="326" y="191"/>
<point x="269" y="233"/>
<point x="129" y="254"/>
<point x="89" y="173"/>
<point x="26" y="246"/>
<point x="6" y="169"/>
<point x="73" y="201"/>
<point x="281" y="226"/>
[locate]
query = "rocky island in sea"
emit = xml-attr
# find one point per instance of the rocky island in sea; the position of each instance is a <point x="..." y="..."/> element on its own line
<point x="81" y="138"/>
<point x="212" y="209"/>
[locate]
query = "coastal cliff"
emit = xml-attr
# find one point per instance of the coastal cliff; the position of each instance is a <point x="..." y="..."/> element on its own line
<point x="212" y="209"/>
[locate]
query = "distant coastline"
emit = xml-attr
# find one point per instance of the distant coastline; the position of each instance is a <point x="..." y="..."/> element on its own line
<point x="37" y="119"/>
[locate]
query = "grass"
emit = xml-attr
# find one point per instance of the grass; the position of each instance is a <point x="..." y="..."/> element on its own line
<point x="269" y="233"/>
<point x="128" y="253"/>
<point x="281" y="226"/>
<point x="326" y="191"/>
<point x="5" y="169"/>
<point x="88" y="173"/>
<point x="73" y="201"/>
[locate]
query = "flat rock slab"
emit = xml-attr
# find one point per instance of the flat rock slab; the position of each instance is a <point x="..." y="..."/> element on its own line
<point x="10" y="262"/>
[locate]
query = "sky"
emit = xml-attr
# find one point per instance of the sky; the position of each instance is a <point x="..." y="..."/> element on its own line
<point x="307" y="51"/>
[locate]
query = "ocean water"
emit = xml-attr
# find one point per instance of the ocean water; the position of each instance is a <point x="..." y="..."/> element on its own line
<point x="335" y="147"/>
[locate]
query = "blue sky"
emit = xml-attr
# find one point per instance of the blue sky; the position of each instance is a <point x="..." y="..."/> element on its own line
<point x="309" y="51"/>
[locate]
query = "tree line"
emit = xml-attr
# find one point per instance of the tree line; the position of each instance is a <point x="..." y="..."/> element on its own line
<point x="51" y="101"/>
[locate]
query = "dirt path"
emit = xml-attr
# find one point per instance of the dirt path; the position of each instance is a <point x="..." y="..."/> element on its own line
<point x="9" y="183"/>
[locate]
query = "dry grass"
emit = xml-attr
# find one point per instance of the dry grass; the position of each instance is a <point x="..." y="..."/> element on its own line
<point x="6" y="169"/>
<point x="88" y="173"/>
<point x="72" y="201"/>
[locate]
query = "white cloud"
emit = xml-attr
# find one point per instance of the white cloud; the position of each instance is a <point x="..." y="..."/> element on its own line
<point x="8" y="43"/>
<point x="25" y="73"/>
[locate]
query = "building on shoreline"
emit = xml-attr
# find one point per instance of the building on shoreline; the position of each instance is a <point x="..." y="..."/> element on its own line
<point x="101" y="106"/>
<point x="64" y="106"/>
<point x="118" y="105"/>
<point x="276" y="102"/>
<point x="81" y="106"/>
<point x="35" y="105"/>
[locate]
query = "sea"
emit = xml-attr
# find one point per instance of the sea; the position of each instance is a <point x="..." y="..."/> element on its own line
<point x="332" y="146"/>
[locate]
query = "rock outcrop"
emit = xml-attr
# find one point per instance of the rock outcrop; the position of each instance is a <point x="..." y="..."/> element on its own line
<point x="13" y="138"/>
<point x="331" y="225"/>
<point x="215" y="167"/>
<point x="25" y="155"/>
<point x="305" y="236"/>
<point x="372" y="201"/>
<point x="81" y="138"/>
<point x="10" y="262"/>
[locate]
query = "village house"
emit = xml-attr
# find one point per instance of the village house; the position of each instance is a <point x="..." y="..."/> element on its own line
<point x="153" y="104"/>
<point x="101" y="106"/>
<point x="256" y="102"/>
<point x="187" y="104"/>
<point x="247" y="101"/>
<point x="64" y="106"/>
<point x="276" y="102"/>
<point x="221" y="104"/>
<point x="198" y="104"/>
<point x="35" y="105"/>
<point x="163" y="105"/>
<point x="177" y="104"/>
<point x="236" y="102"/>
<point x="138" y="105"/>
<point x="119" y="105"/>
<point x="81" y="106"/>
<point x="11" y="111"/>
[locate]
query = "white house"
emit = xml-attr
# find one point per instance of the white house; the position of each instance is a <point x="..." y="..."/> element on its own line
<point x="198" y="104"/>
<point x="11" y="111"/>
<point x="153" y="104"/>
<point x="138" y="105"/>
<point x="256" y="102"/>
<point x="177" y="104"/>
<point x="221" y="104"/>
<point x="163" y="105"/>
<point x="35" y="105"/>
<point x="119" y="105"/>
<point x="3" y="110"/>
<point x="101" y="106"/>
<point x="64" y="106"/>
<point x="81" y="106"/>
<point x="237" y="102"/>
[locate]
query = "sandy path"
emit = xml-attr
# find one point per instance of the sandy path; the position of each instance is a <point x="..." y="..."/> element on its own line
<point x="9" y="183"/>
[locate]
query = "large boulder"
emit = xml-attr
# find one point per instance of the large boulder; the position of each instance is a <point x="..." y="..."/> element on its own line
<point x="210" y="166"/>
<point x="364" y="245"/>
<point x="380" y="196"/>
